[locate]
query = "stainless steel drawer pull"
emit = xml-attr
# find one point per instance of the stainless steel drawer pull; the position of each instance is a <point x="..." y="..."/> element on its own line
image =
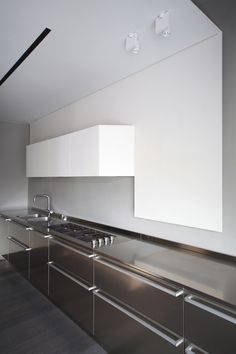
<point x="89" y="288"/>
<point x="29" y="229"/>
<point x="47" y="236"/>
<point x="174" y="341"/>
<point x="42" y="235"/>
<point x="19" y="243"/>
<point x="8" y="220"/>
<point x="191" y="299"/>
<point x="142" y="279"/>
<point x="72" y="249"/>
<point x="190" y="350"/>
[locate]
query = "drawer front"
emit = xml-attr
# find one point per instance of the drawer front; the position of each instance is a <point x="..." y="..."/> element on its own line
<point x="210" y="326"/>
<point x="4" y="244"/>
<point x="19" y="232"/>
<point x="75" y="300"/>
<point x="163" y="305"/>
<point x="19" y="257"/>
<point x="74" y="260"/>
<point x="121" y="332"/>
<point x="38" y="261"/>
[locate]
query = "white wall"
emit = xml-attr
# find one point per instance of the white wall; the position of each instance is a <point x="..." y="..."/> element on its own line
<point x="13" y="182"/>
<point x="110" y="201"/>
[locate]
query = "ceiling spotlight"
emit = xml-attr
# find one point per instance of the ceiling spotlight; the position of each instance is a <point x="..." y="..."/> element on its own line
<point x="162" y="24"/>
<point x="132" y="43"/>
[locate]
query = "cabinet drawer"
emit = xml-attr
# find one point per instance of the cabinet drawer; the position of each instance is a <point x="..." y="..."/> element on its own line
<point x="75" y="260"/>
<point x="19" y="256"/>
<point x="120" y="331"/>
<point x="72" y="296"/>
<point x="160" y="302"/>
<point x="4" y="244"/>
<point x="39" y="260"/>
<point x="19" y="232"/>
<point x="210" y="326"/>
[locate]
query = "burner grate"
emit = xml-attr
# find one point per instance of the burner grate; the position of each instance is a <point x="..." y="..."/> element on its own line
<point x="79" y="232"/>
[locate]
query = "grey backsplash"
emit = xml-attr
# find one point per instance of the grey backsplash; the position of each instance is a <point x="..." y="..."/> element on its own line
<point x="110" y="201"/>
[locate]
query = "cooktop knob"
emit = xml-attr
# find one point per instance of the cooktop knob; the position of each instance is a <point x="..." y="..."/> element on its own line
<point x="112" y="239"/>
<point x="94" y="243"/>
<point x="107" y="240"/>
<point x="100" y="242"/>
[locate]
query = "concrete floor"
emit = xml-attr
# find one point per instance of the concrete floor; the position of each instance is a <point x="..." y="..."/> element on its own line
<point x="30" y="323"/>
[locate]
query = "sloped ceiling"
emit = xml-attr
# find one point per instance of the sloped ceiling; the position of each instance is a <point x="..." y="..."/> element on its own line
<point x="84" y="51"/>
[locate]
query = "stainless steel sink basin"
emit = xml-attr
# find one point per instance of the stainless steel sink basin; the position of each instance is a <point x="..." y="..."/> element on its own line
<point x="39" y="218"/>
<point x="30" y="216"/>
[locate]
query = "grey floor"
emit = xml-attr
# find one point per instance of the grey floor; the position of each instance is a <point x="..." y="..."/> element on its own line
<point x="30" y="323"/>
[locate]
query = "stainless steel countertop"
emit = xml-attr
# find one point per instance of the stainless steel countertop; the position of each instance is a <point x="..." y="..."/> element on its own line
<point x="208" y="275"/>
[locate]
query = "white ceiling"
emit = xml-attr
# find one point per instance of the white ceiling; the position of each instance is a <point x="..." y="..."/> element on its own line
<point x="85" y="50"/>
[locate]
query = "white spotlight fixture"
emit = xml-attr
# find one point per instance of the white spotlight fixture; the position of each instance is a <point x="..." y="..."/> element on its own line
<point x="162" y="24"/>
<point x="132" y="43"/>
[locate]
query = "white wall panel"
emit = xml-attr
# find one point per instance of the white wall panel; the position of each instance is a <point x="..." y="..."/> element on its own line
<point x="179" y="173"/>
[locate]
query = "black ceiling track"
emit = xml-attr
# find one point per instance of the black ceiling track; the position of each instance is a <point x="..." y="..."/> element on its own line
<point x="28" y="51"/>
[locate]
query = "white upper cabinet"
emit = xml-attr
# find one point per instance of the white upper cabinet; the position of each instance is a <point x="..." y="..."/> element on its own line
<point x="102" y="150"/>
<point x="84" y="152"/>
<point x="58" y="156"/>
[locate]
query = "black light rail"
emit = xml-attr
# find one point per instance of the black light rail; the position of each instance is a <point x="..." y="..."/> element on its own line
<point x="28" y="51"/>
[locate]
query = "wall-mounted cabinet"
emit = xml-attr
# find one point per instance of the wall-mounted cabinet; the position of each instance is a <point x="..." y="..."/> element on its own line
<point x="59" y="156"/>
<point x="102" y="150"/>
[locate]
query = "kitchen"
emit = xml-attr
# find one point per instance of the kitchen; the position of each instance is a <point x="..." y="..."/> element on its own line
<point x="115" y="218"/>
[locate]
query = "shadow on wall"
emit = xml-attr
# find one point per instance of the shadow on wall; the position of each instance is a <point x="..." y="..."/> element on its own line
<point x="13" y="181"/>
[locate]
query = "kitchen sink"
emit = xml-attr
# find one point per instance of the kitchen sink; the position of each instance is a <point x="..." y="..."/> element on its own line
<point x="30" y="216"/>
<point x="39" y="218"/>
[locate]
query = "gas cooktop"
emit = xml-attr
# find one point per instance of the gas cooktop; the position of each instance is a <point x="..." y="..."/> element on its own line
<point x="95" y="237"/>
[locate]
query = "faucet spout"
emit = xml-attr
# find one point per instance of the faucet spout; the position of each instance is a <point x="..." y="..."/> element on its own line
<point x="48" y="199"/>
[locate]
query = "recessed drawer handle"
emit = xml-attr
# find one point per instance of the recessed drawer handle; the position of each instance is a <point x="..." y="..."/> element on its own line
<point x="71" y="248"/>
<point x="89" y="288"/>
<point x="41" y="235"/>
<point x="27" y="249"/>
<point x="190" y="350"/>
<point x="142" y="279"/>
<point x="175" y="342"/>
<point x="191" y="299"/>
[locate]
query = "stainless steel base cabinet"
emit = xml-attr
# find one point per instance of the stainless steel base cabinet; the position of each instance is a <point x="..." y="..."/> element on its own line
<point x="160" y="301"/>
<point x="38" y="261"/>
<point x="210" y="325"/>
<point x="4" y="231"/>
<point x="75" y="259"/>
<point x="74" y="297"/>
<point x="121" y="331"/>
<point x="19" y="256"/>
<point x="19" y="232"/>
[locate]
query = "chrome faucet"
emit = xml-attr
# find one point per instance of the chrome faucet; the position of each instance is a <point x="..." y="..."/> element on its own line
<point x="48" y="202"/>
